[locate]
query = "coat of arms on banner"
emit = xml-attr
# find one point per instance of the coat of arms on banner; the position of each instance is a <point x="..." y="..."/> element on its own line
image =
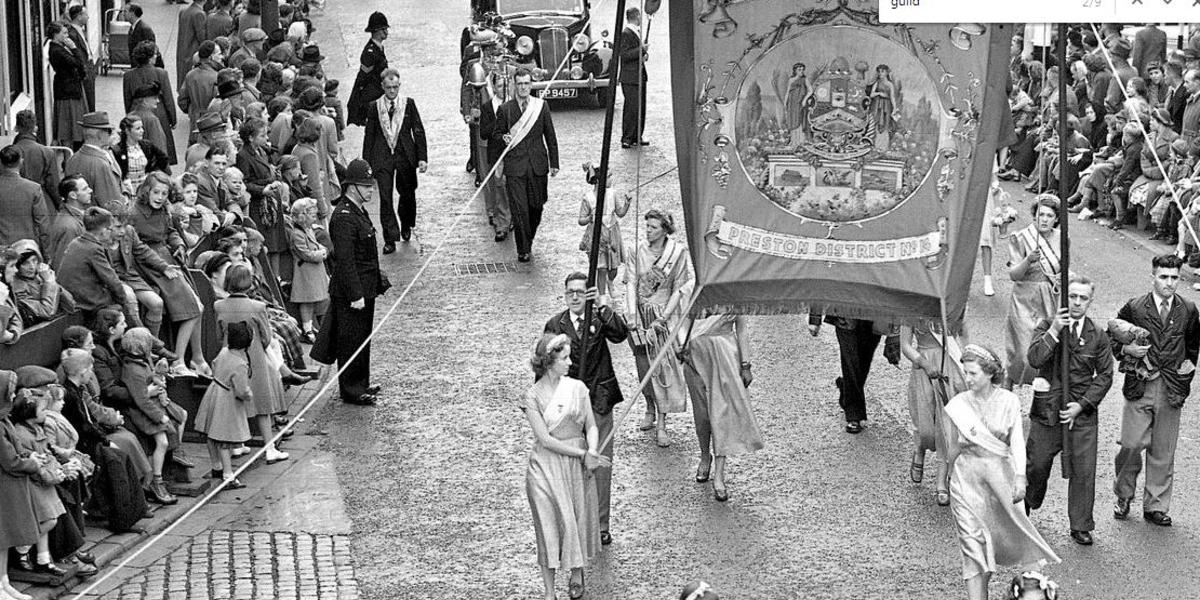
<point x="837" y="124"/>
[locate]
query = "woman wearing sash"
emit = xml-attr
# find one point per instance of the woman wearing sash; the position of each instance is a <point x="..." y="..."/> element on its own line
<point x="987" y="480"/>
<point x="929" y="387"/>
<point x="1033" y="265"/>
<point x="559" y="482"/>
<point x="658" y="277"/>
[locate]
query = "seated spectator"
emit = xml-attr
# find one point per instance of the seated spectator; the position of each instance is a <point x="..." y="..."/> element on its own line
<point x="135" y="156"/>
<point x="310" y="280"/>
<point x="208" y="178"/>
<point x="56" y="435"/>
<point x="20" y="527"/>
<point x="237" y="199"/>
<point x="67" y="225"/>
<point x="200" y="219"/>
<point x="86" y="270"/>
<point x="121" y="493"/>
<point x="153" y="413"/>
<point x="130" y="258"/>
<point x="160" y="233"/>
<point x="211" y="133"/>
<point x="1122" y="181"/>
<point x="45" y="472"/>
<point x="35" y="287"/>
<point x="11" y="325"/>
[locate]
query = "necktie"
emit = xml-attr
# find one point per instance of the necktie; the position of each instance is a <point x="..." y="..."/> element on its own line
<point x="1164" y="310"/>
<point x="579" y="327"/>
<point x="391" y="109"/>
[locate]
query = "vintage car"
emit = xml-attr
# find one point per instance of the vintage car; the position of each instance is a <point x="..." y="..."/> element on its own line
<point x="552" y="38"/>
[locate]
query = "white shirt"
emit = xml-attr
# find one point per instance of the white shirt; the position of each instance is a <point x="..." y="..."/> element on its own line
<point x="1158" y="303"/>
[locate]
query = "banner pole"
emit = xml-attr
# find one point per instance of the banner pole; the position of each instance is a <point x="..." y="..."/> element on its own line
<point x="614" y="72"/>
<point x="1064" y="365"/>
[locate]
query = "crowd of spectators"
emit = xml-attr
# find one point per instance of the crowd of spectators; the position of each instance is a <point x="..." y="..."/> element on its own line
<point x="1133" y="104"/>
<point x="149" y="253"/>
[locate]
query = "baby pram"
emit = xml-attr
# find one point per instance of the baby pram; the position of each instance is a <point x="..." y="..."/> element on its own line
<point x="114" y="44"/>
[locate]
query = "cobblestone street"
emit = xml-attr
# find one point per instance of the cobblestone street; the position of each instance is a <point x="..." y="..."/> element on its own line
<point x="250" y="564"/>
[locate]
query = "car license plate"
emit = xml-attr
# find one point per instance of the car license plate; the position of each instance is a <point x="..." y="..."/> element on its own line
<point x="555" y="93"/>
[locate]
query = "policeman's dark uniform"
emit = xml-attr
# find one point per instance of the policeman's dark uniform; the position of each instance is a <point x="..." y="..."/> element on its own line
<point x="356" y="274"/>
<point x="367" y="84"/>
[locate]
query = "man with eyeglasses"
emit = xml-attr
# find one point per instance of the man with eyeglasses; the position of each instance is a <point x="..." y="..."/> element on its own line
<point x="1071" y="428"/>
<point x="394" y="146"/>
<point x="605" y="327"/>
<point x="525" y="126"/>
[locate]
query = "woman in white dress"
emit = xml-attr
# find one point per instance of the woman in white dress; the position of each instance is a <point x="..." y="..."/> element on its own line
<point x="559" y="481"/>
<point x="987" y="480"/>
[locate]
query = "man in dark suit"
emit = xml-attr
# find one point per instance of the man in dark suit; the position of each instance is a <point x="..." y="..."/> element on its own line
<point x="193" y="29"/>
<point x="605" y="327"/>
<point x="488" y="151"/>
<point x="355" y="283"/>
<point x="78" y="16"/>
<point x="1070" y="428"/>
<point x="394" y="146"/>
<point x="22" y="204"/>
<point x="1176" y="99"/>
<point x="857" y="341"/>
<point x="1149" y="45"/>
<point x="525" y="127"/>
<point x="39" y="163"/>
<point x="1155" y="395"/>
<point x="140" y="31"/>
<point x="633" y="80"/>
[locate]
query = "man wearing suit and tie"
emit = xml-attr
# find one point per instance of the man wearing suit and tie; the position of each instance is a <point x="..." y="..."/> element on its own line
<point x="633" y="80"/>
<point x="601" y="380"/>
<point x="1069" y="428"/>
<point x="140" y="31"/>
<point x="525" y="127"/>
<point x="394" y="146"/>
<point x="1153" y="399"/>
<point x="78" y="16"/>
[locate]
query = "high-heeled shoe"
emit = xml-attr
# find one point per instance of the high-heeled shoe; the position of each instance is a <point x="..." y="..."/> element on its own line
<point x="704" y="470"/>
<point x="201" y="368"/>
<point x="720" y="493"/>
<point x="292" y="379"/>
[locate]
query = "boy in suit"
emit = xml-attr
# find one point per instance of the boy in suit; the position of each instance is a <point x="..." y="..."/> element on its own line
<point x="1150" y="420"/>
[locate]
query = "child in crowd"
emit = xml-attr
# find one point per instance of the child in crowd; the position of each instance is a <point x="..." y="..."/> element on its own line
<point x="310" y="280"/>
<point x="197" y="220"/>
<point x="150" y="415"/>
<point x="612" y="248"/>
<point x="222" y="415"/>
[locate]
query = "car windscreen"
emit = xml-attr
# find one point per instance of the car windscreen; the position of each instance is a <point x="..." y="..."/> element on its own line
<point x="512" y="7"/>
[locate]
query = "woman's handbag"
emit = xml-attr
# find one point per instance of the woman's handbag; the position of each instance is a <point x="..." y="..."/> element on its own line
<point x="651" y="280"/>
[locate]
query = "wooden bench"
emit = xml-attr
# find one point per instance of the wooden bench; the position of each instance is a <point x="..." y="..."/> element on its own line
<point x="39" y="345"/>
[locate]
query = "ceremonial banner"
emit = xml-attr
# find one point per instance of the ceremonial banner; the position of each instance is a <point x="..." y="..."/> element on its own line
<point x="832" y="163"/>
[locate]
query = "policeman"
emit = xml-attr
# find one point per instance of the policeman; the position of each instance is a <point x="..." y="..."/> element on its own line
<point x="355" y="283"/>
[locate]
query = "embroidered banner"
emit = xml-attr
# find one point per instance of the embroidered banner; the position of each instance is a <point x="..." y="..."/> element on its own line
<point x="831" y="162"/>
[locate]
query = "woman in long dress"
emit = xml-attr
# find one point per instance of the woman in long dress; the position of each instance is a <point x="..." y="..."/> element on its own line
<point x="934" y="379"/>
<point x="658" y="279"/>
<point x="69" y="102"/>
<point x="884" y="107"/>
<point x="266" y="386"/>
<point x="1033" y="265"/>
<point x="798" y="93"/>
<point x="987" y="480"/>
<point x="717" y="369"/>
<point x="559" y="481"/>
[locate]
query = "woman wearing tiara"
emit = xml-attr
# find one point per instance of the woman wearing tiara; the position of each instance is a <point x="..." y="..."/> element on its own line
<point x="987" y="480"/>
